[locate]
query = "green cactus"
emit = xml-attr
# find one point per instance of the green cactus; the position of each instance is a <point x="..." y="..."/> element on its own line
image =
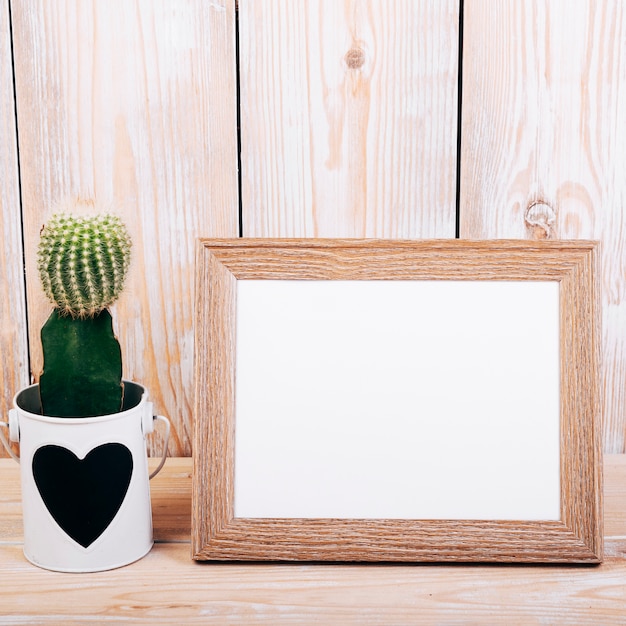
<point x="82" y="263"/>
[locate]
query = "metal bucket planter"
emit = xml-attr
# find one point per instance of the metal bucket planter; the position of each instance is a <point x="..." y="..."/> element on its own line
<point x="85" y="483"/>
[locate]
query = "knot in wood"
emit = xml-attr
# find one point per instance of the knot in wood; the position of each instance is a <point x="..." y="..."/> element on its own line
<point x="355" y="58"/>
<point x="540" y="218"/>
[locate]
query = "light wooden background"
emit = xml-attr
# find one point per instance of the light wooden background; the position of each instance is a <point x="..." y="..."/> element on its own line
<point x="349" y="126"/>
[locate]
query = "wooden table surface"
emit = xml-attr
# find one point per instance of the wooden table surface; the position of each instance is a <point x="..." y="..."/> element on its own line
<point x="167" y="587"/>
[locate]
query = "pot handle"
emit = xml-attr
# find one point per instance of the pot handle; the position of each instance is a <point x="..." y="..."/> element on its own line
<point x="161" y="418"/>
<point x="12" y="426"/>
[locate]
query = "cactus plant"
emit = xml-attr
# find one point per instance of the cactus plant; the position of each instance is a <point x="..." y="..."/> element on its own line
<point x="82" y="264"/>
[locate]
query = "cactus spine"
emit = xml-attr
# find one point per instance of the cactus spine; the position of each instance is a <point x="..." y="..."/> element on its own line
<point x="82" y="263"/>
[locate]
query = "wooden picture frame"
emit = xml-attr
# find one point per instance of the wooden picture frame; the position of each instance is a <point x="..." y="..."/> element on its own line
<point x="574" y="536"/>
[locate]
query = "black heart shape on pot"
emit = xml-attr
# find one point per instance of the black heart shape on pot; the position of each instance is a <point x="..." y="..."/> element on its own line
<point x="83" y="495"/>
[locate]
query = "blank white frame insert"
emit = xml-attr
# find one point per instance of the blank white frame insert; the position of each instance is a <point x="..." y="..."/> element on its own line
<point x="397" y="399"/>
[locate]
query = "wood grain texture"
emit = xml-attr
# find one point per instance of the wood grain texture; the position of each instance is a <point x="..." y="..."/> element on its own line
<point x="348" y="118"/>
<point x="133" y="104"/>
<point x="581" y="479"/>
<point x="544" y="145"/>
<point x="214" y="440"/>
<point x="13" y="340"/>
<point x="218" y="534"/>
<point x="166" y="587"/>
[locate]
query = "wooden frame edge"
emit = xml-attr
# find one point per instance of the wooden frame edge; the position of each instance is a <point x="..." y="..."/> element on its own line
<point x="220" y="536"/>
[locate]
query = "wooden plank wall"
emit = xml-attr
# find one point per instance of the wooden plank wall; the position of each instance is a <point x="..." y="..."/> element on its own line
<point x="13" y="341"/>
<point x="124" y="101"/>
<point x="348" y="119"/>
<point x="544" y="145"/>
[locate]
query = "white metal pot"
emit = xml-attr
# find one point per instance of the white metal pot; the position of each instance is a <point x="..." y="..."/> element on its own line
<point x="85" y="483"/>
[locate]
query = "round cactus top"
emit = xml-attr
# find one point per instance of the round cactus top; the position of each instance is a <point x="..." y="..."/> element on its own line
<point x="83" y="262"/>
